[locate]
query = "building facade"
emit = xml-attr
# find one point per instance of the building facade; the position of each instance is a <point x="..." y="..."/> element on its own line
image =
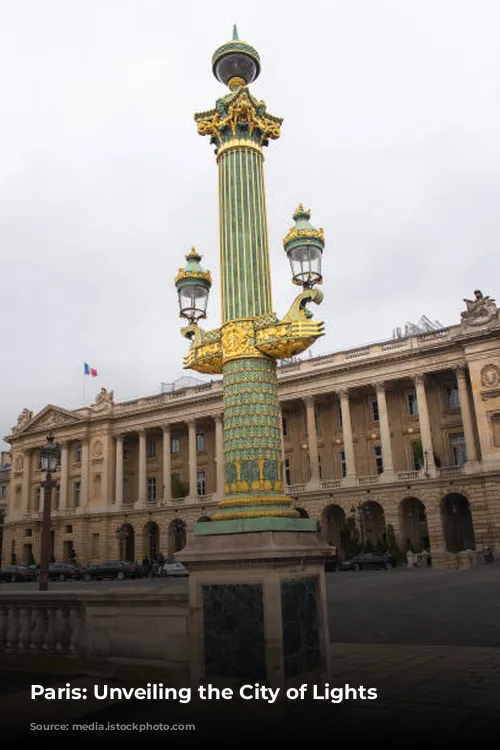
<point x="403" y="433"/>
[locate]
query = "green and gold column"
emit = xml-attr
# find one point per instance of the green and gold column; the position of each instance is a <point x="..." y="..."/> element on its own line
<point x="251" y="338"/>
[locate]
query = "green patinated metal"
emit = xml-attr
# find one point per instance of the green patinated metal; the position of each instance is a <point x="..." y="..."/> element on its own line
<point x="240" y="127"/>
<point x="247" y="525"/>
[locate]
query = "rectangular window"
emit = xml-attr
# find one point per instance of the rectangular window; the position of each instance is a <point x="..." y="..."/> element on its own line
<point x="151" y="448"/>
<point x="78" y="453"/>
<point x="417" y="455"/>
<point x="320" y="468"/>
<point x="4" y="491"/>
<point x="458" y="452"/>
<point x="95" y="545"/>
<point x="39" y="462"/>
<point x="308" y="467"/>
<point x="57" y="497"/>
<point x="317" y="422"/>
<point x="28" y="532"/>
<point x="343" y="467"/>
<point x="176" y="445"/>
<point x="375" y="416"/>
<point x="77" y="494"/>
<point x="285" y="426"/>
<point x="200" y="482"/>
<point x="412" y="404"/>
<point x="200" y="442"/>
<point x="151" y="489"/>
<point x="38" y="499"/>
<point x="379" y="463"/>
<point x="288" y="472"/>
<point x="339" y="415"/>
<point x="452" y="398"/>
<point x="68" y="529"/>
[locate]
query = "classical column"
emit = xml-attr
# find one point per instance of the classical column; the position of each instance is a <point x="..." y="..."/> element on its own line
<point x="167" y="480"/>
<point x="193" y="483"/>
<point x="312" y="440"/>
<point x="26" y="482"/>
<point x="119" y="470"/>
<point x="63" y="487"/>
<point x="345" y="410"/>
<point x="467" y="414"/>
<point x="142" y="490"/>
<point x="84" y="479"/>
<point x="425" y="426"/>
<point x="385" y="431"/>
<point x="219" y="453"/>
<point x="283" y="455"/>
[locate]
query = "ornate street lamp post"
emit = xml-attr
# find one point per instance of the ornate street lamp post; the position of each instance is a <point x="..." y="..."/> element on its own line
<point x="50" y="456"/>
<point x="252" y="337"/>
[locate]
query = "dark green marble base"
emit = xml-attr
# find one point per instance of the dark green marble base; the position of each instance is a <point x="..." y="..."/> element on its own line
<point x="248" y="525"/>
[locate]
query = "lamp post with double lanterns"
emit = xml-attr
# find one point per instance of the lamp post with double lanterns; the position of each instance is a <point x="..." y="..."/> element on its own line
<point x="50" y="456"/>
<point x="251" y="338"/>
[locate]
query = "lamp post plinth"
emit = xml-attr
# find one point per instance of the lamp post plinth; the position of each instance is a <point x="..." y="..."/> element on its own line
<point x="257" y="554"/>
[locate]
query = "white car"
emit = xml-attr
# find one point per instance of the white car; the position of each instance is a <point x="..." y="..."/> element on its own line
<point x="173" y="568"/>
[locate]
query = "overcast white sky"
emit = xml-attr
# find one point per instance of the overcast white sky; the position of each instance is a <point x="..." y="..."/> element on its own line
<point x="391" y="136"/>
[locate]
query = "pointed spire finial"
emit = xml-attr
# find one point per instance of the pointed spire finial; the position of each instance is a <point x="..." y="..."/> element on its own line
<point x="235" y="33"/>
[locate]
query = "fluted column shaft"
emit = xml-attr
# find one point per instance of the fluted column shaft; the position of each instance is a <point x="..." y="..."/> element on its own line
<point x="167" y="480"/>
<point x="385" y="430"/>
<point x="345" y="410"/>
<point x="84" y="480"/>
<point x="219" y="453"/>
<point x="425" y="425"/>
<point x="193" y="484"/>
<point x="63" y="487"/>
<point x="312" y="440"/>
<point x="119" y="471"/>
<point x="142" y="489"/>
<point x="26" y="481"/>
<point x="467" y="414"/>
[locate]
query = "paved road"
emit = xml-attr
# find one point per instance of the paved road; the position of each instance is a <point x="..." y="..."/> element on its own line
<point x="416" y="607"/>
<point x="405" y="607"/>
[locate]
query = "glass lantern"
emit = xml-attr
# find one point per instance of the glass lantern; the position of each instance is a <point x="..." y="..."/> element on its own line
<point x="193" y="286"/>
<point x="304" y="247"/>
<point x="50" y="455"/>
<point x="305" y="262"/>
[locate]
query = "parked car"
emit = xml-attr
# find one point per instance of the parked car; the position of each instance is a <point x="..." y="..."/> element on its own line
<point x="58" y="572"/>
<point x="369" y="560"/>
<point x="111" y="569"/>
<point x="174" y="568"/>
<point x="140" y="569"/>
<point x="17" y="573"/>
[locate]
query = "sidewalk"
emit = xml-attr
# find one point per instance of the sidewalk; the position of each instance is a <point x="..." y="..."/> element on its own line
<point x="425" y="693"/>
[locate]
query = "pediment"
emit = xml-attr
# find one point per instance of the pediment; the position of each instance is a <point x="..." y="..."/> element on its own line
<point x="49" y="418"/>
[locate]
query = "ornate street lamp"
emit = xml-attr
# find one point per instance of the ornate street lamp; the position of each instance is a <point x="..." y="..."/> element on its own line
<point x="193" y="286"/>
<point x="50" y="456"/>
<point x="304" y="246"/>
<point x="251" y="338"/>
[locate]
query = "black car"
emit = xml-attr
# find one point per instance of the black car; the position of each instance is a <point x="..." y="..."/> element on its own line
<point x="113" y="569"/>
<point x="140" y="569"/>
<point x="368" y="561"/>
<point x="17" y="573"/>
<point x="59" y="572"/>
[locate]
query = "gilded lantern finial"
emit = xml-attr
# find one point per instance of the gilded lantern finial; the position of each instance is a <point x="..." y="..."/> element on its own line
<point x="236" y="63"/>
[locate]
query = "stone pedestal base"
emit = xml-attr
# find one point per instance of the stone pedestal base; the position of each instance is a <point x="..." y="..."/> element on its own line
<point x="257" y="608"/>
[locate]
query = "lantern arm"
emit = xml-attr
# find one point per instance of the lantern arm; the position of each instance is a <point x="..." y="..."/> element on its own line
<point x="205" y="352"/>
<point x="292" y="334"/>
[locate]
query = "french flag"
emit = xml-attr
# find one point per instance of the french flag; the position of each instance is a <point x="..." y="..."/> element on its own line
<point x="87" y="370"/>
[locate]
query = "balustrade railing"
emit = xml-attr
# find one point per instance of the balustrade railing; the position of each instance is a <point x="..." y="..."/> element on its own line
<point x="41" y="627"/>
